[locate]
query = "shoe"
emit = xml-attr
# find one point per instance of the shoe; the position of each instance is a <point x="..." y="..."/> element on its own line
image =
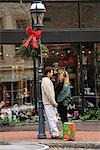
<point x="55" y="137"/>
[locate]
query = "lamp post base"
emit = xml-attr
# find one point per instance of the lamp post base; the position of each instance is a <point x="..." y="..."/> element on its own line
<point x="41" y="136"/>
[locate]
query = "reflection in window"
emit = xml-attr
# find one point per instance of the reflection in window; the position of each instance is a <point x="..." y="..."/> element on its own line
<point x="21" y="24"/>
<point x="1" y="51"/>
<point x="1" y="23"/>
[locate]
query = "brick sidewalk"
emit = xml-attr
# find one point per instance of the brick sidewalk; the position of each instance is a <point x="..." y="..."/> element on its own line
<point x="81" y="136"/>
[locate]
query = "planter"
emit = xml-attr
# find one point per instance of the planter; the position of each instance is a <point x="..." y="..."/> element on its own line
<point x="89" y="125"/>
<point x="80" y="126"/>
<point x="21" y="127"/>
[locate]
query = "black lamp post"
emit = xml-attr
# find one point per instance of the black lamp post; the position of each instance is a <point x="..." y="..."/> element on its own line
<point x="37" y="12"/>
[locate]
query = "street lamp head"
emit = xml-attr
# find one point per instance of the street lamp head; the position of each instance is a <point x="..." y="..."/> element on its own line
<point x="37" y="12"/>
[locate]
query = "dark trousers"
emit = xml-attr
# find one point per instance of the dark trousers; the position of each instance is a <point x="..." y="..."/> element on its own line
<point x="62" y="110"/>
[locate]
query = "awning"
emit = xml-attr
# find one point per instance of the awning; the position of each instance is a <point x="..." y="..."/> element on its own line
<point x="53" y="36"/>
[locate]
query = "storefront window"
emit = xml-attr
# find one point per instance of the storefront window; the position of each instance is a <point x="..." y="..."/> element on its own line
<point x="16" y="77"/>
<point x="16" y="92"/>
<point x="89" y="14"/>
<point x="63" y="57"/>
<point x="17" y="85"/>
<point x="67" y="57"/>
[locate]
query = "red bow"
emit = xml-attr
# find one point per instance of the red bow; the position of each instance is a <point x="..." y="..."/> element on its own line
<point x="34" y="36"/>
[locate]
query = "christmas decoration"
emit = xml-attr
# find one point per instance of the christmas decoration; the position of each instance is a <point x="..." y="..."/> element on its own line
<point x="34" y="36"/>
<point x="31" y="44"/>
<point x="69" y="61"/>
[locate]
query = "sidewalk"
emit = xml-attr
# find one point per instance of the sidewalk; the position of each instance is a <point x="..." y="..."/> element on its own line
<point x="81" y="136"/>
<point x="87" y="139"/>
<point x="87" y="136"/>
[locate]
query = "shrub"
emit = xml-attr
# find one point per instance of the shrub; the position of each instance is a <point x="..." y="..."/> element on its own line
<point x="93" y="114"/>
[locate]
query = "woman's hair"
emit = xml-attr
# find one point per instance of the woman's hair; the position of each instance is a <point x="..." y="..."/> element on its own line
<point x="66" y="77"/>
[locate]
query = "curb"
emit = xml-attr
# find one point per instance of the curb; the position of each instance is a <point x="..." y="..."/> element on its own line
<point x="64" y="144"/>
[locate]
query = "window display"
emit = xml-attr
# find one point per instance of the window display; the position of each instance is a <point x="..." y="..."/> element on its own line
<point x="67" y="57"/>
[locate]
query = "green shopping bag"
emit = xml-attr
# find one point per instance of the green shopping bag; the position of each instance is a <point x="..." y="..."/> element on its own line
<point x="68" y="131"/>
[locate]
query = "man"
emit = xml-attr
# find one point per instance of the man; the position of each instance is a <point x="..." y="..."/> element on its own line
<point x="48" y="97"/>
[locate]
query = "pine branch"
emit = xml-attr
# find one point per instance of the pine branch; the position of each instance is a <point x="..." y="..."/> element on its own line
<point x="30" y="52"/>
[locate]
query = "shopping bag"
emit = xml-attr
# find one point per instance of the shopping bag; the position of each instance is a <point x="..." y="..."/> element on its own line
<point x="68" y="131"/>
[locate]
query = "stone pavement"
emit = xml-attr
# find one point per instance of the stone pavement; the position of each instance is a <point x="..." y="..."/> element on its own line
<point x="83" y="139"/>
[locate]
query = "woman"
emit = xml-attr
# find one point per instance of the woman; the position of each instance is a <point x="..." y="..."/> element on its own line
<point x="63" y="92"/>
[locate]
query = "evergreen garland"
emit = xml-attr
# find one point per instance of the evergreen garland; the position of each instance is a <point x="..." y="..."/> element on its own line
<point x="28" y="52"/>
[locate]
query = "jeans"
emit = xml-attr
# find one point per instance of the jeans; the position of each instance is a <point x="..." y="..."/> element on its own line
<point x="62" y="110"/>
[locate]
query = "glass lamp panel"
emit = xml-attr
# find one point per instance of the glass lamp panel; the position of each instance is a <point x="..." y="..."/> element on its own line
<point x="34" y="17"/>
<point x="40" y="18"/>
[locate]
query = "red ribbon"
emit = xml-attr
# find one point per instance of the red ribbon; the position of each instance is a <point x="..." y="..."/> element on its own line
<point x="34" y="36"/>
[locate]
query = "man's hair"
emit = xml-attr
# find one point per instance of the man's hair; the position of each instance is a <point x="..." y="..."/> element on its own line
<point x="47" y="69"/>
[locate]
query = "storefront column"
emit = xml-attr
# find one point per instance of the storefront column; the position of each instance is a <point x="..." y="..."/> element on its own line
<point x="97" y="51"/>
<point x="81" y="77"/>
<point x="8" y="50"/>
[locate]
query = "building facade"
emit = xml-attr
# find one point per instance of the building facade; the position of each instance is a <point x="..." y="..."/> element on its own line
<point x="78" y="55"/>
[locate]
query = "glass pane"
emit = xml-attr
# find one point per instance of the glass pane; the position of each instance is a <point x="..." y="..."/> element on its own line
<point x="12" y="12"/>
<point x="65" y="15"/>
<point x="1" y="23"/>
<point x="90" y="15"/>
<point x="21" y="24"/>
<point x="61" y="15"/>
<point x="16" y="86"/>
